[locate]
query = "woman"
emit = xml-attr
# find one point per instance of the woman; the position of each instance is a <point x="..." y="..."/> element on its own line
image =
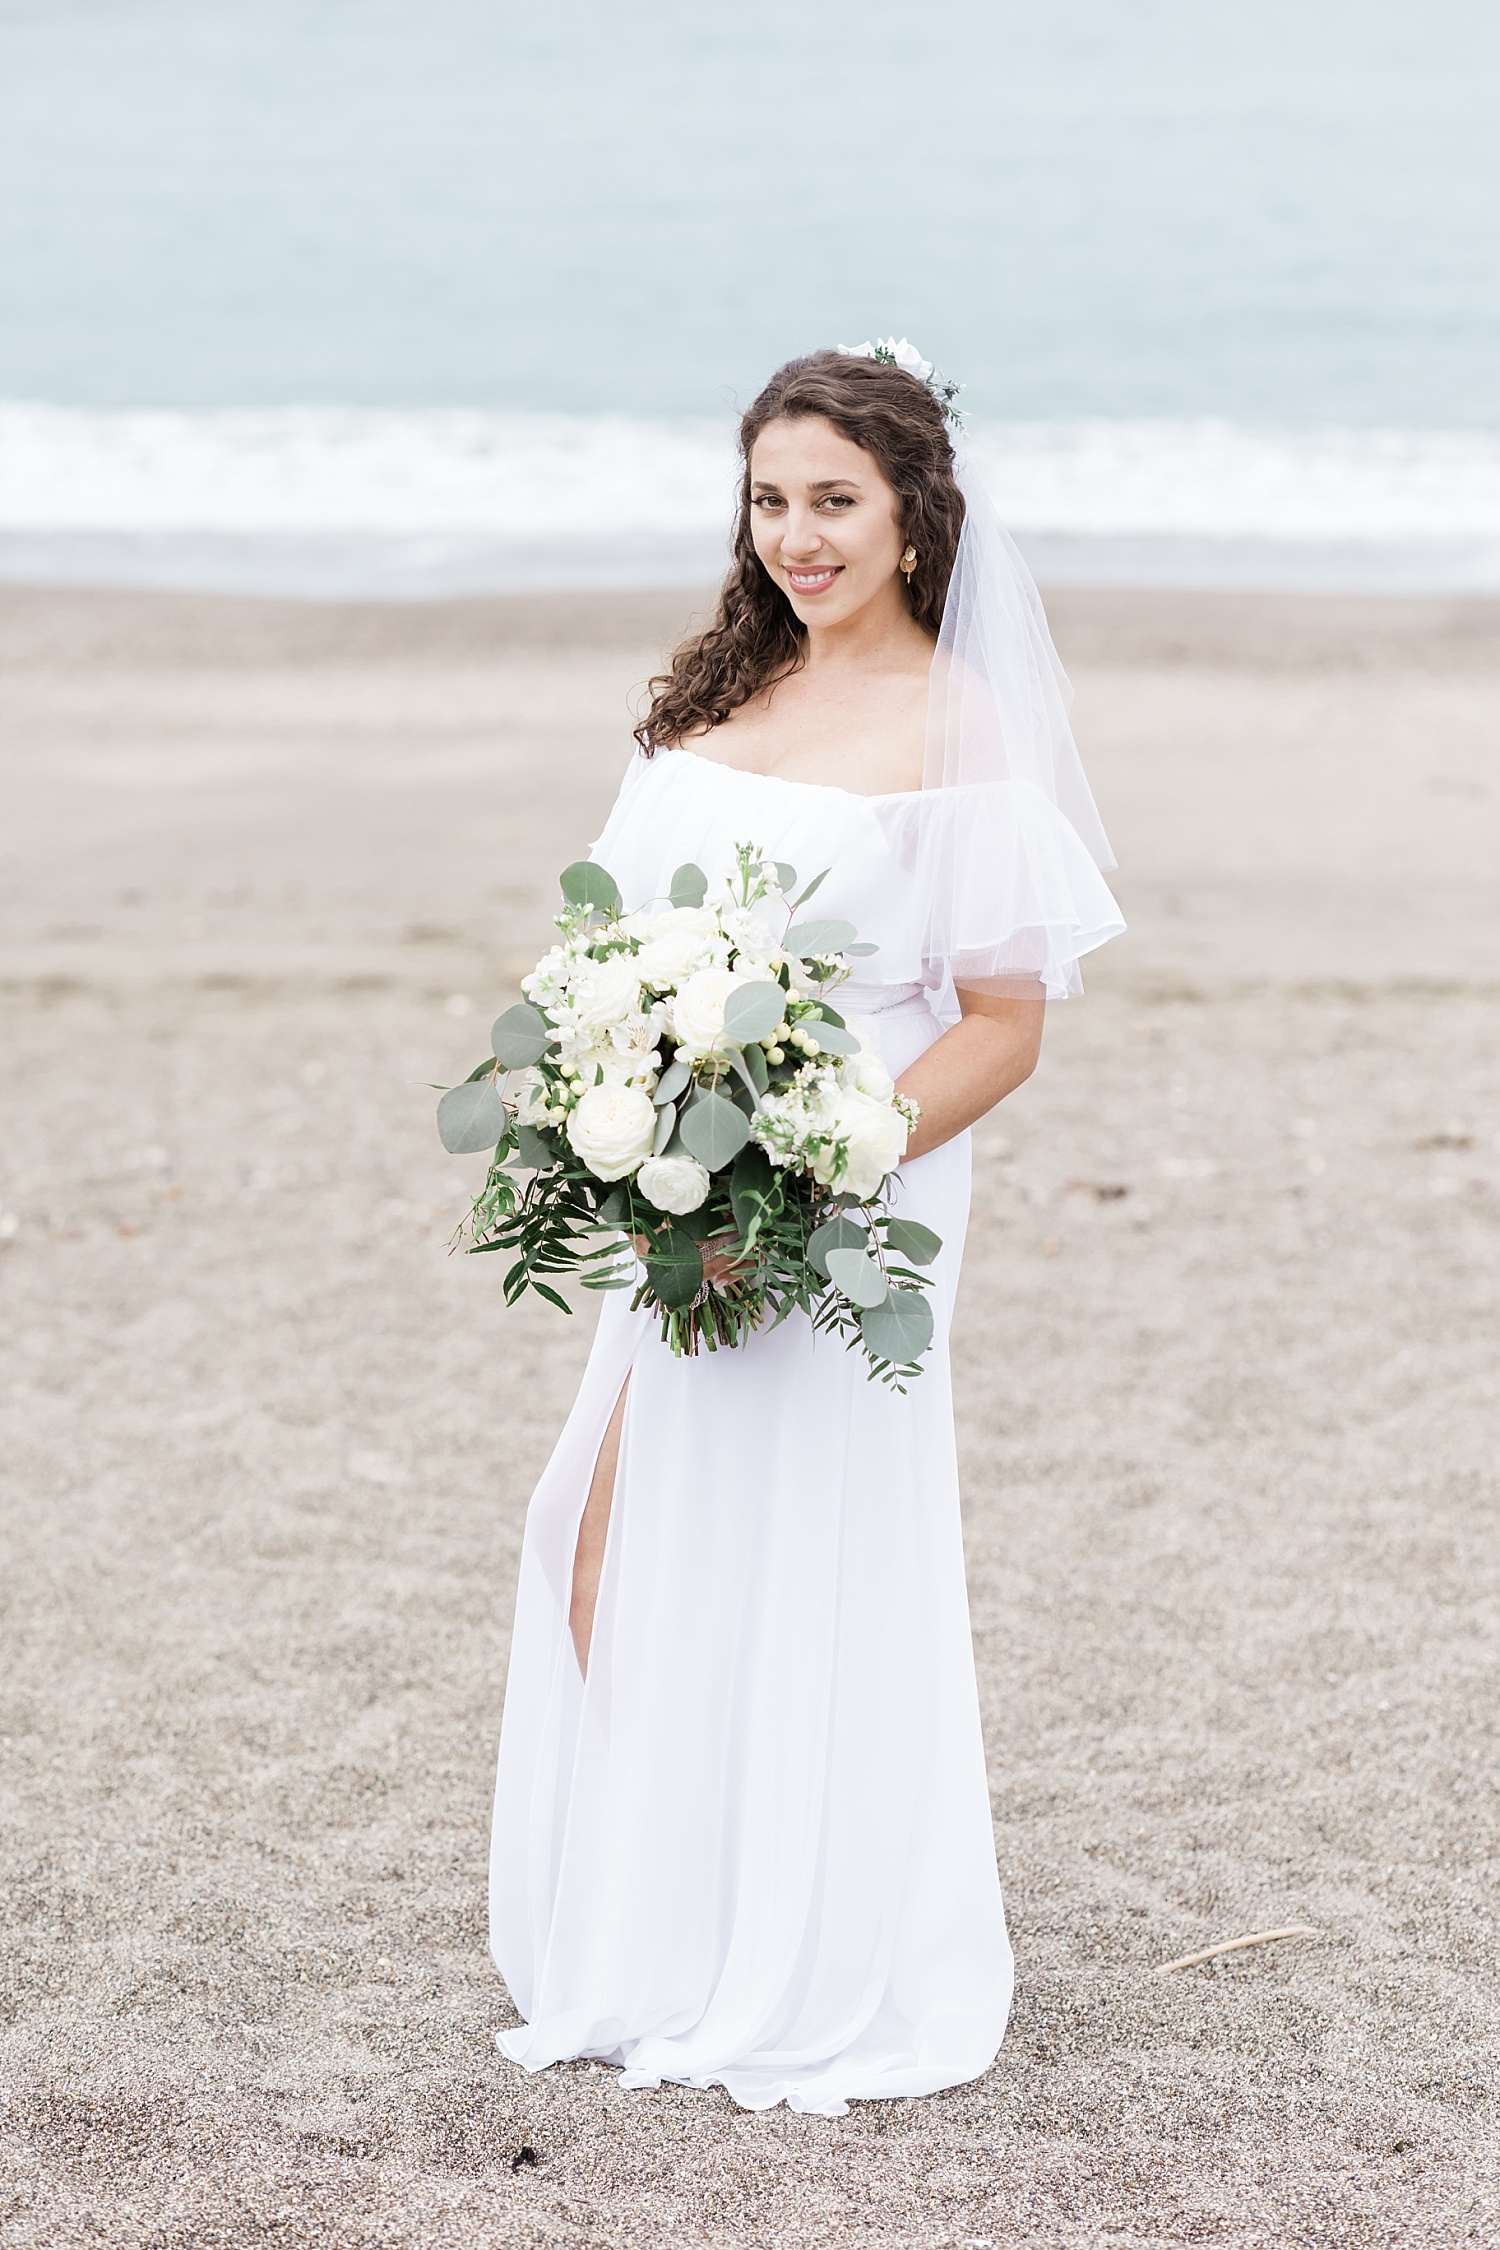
<point x="742" y="1828"/>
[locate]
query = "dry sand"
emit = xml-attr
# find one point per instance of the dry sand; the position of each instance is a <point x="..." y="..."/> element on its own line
<point x="1227" y="1388"/>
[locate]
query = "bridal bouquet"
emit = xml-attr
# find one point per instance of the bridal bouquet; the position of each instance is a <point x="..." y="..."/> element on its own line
<point x="677" y="1107"/>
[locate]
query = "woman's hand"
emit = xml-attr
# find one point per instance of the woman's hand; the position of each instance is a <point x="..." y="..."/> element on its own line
<point x="720" y="1265"/>
<point x="975" y="1064"/>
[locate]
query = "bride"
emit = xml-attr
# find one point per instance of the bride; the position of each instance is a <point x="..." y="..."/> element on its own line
<point x="742" y="1825"/>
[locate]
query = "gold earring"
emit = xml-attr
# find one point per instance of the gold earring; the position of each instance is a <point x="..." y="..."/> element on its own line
<point x="908" y="563"/>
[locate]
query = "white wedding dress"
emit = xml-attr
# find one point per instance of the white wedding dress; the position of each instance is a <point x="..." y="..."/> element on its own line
<point x="753" y="1849"/>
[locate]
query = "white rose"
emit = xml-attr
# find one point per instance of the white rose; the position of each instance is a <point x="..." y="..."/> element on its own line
<point x="682" y="940"/>
<point x="873" y="1136"/>
<point x="612" y="1128"/>
<point x="608" y="993"/>
<point x="865" y="1073"/>
<point x="673" y="1183"/>
<point x="698" y="1009"/>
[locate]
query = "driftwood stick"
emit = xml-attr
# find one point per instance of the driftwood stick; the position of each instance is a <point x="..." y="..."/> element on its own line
<point x="1236" y="1945"/>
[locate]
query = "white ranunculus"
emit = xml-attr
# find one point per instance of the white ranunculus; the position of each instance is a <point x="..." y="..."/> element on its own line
<point x="673" y="1183"/>
<point x="698" y="1009"/>
<point x="608" y="993"/>
<point x="612" y="1129"/>
<point x="682" y="940"/>
<point x="873" y="1136"/>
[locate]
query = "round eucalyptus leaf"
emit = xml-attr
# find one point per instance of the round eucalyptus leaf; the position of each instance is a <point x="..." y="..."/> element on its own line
<point x="858" y="1276"/>
<point x="857" y="948"/>
<point x="833" y="1038"/>
<point x="585" y="883"/>
<point x="786" y="875"/>
<point x="909" y="1240"/>
<point x="534" y="1152"/>
<point x="471" y="1117"/>
<point x="751" y="1060"/>
<point x="753" y="1011"/>
<point x="900" y="1330"/>
<point x="835" y="1234"/>
<point x="671" y="1082"/>
<point x="689" y="885"/>
<point x="714" y="1130"/>
<point x="666" y="1126"/>
<point x="818" y="939"/>
<point x="521" y="1036"/>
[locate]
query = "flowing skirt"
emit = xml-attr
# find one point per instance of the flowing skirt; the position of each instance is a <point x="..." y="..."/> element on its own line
<point x="753" y="1849"/>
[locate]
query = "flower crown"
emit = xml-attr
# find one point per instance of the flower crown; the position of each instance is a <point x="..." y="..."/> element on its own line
<point x="905" y="355"/>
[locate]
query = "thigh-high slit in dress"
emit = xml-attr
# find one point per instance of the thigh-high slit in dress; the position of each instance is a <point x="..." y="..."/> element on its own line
<point x="753" y="1847"/>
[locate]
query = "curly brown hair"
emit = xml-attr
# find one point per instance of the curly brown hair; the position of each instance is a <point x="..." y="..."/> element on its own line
<point x="755" y="638"/>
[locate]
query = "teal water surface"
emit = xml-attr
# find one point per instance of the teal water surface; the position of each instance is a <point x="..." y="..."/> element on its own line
<point x="1286" y="213"/>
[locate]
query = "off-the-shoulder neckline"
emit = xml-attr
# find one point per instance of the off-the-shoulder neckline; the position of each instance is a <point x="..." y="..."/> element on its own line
<point x="783" y="781"/>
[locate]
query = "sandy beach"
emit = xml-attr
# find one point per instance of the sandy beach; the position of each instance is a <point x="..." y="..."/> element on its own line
<point x="1227" y="1391"/>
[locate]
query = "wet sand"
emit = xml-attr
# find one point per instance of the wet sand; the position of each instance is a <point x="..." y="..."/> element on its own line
<point x="1227" y="1395"/>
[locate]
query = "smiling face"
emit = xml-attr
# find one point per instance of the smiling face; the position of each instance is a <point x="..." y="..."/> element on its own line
<point x="826" y="524"/>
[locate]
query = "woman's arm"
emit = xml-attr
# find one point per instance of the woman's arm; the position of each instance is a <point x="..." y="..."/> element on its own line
<point x="975" y="1064"/>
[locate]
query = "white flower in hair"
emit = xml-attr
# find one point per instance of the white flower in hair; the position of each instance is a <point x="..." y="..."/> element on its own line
<point x="902" y="353"/>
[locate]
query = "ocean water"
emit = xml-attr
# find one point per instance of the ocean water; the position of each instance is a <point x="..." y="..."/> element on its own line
<point x="399" y="295"/>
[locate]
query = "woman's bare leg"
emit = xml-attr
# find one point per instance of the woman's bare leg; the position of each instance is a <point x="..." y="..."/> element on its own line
<point x="588" y="1556"/>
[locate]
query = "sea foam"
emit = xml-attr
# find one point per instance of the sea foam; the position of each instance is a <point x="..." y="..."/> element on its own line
<point x="330" y="500"/>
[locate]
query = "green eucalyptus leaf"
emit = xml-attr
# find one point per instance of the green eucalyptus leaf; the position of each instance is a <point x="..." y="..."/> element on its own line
<point x="857" y="1275"/>
<point x="534" y="1150"/>
<point x="857" y="948"/>
<point x="786" y="875"/>
<point x="586" y="883"/>
<point x="833" y="1038"/>
<point x="671" y="1083"/>
<point x="909" y="1240"/>
<point x="752" y="1061"/>
<point x="835" y="1234"/>
<point x="666" y="1125"/>
<point x="486" y="1069"/>
<point x="521" y="1036"/>
<point x="714" y="1131"/>
<point x="816" y="940"/>
<point x="615" y="1209"/>
<point x="816" y="884"/>
<point x="689" y="885"/>
<point x="674" y="1268"/>
<point x="471" y="1117"/>
<point x="753" y="1010"/>
<point x="900" y="1330"/>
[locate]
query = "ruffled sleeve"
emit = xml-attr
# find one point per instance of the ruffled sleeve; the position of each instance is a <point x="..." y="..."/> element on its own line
<point x="1007" y="897"/>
